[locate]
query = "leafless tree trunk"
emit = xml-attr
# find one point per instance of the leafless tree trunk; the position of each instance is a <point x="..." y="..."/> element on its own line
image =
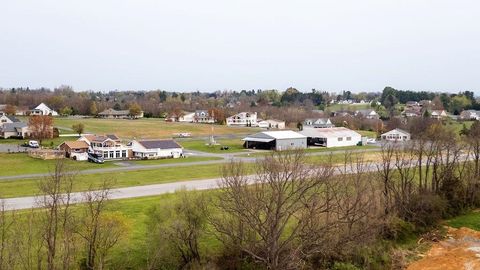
<point x="269" y="207"/>
<point x="56" y="192"/>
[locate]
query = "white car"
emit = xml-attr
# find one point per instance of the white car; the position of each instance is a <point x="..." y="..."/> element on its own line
<point x="33" y="144"/>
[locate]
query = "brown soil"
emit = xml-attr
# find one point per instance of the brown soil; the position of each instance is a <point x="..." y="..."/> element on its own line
<point x="459" y="250"/>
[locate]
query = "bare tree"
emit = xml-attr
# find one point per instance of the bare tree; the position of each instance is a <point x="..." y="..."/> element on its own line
<point x="57" y="219"/>
<point x="41" y="127"/>
<point x="264" y="215"/>
<point x="100" y="230"/>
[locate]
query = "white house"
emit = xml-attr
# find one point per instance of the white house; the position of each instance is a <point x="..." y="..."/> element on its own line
<point x="470" y="115"/>
<point x="438" y="114"/>
<point x="122" y="114"/>
<point x="43" y="109"/>
<point x="203" y="116"/>
<point x="153" y="149"/>
<point x="108" y="146"/>
<point x="14" y="130"/>
<point x="271" y="123"/>
<point x="6" y="119"/>
<point x="245" y="119"/>
<point x="367" y="113"/>
<point x="396" y="135"/>
<point x="318" y="123"/>
<point x="331" y="137"/>
<point x="186" y="117"/>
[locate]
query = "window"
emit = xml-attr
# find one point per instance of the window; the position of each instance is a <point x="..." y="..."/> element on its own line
<point x="112" y="154"/>
<point x="340" y="139"/>
<point x="349" y="138"/>
<point x="124" y="153"/>
<point x="117" y="154"/>
<point x="105" y="154"/>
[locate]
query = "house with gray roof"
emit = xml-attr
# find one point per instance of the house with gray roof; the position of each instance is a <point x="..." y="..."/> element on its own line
<point x="367" y="113"/>
<point x="155" y="149"/>
<point x="14" y="130"/>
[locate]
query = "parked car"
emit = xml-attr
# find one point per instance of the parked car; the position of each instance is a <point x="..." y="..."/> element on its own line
<point x="33" y="144"/>
<point x="224" y="147"/>
<point x="92" y="157"/>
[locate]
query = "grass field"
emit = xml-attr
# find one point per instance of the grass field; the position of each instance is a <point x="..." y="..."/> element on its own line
<point x="470" y="220"/>
<point x="147" y="127"/>
<point x="28" y="187"/>
<point x="17" y="164"/>
<point x="348" y="107"/>
<point x="235" y="145"/>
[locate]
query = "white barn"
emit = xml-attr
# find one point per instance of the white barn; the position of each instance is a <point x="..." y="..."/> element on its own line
<point x="396" y="135"/>
<point x="153" y="149"/>
<point x="331" y="137"/>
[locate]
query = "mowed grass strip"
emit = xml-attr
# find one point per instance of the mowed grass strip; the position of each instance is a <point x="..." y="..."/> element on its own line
<point x="148" y="127"/>
<point x="234" y="145"/>
<point x="29" y="187"/>
<point x="21" y="163"/>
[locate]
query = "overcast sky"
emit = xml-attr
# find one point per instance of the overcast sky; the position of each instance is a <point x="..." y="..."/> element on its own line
<point x="249" y="44"/>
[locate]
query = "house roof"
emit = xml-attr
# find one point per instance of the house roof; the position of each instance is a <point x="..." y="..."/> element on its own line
<point x="89" y="137"/>
<point x="12" y="118"/>
<point x="11" y="127"/>
<point x="319" y="121"/>
<point x="366" y="111"/>
<point x="111" y="111"/>
<point x="161" y="144"/>
<point x="268" y="136"/>
<point x="395" y="130"/>
<point x="329" y="132"/>
<point x="95" y="138"/>
<point x="113" y="137"/>
<point x="76" y="144"/>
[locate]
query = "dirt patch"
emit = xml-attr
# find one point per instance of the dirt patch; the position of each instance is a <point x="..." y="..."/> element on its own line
<point x="459" y="250"/>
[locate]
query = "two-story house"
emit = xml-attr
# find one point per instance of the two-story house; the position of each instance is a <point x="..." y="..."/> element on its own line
<point x="43" y="109"/>
<point x="244" y="119"/>
<point x="318" y="123"/>
<point x="203" y="116"/>
<point x="109" y="146"/>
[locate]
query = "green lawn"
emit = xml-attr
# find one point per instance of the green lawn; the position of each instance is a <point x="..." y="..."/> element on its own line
<point x="470" y="220"/>
<point x="147" y="127"/>
<point x="347" y="107"/>
<point x="235" y="145"/>
<point x="458" y="126"/>
<point x="28" y="187"/>
<point x="367" y="133"/>
<point x="50" y="143"/>
<point x="21" y="163"/>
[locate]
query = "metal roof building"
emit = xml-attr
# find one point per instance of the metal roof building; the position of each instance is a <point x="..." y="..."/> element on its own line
<point x="276" y="140"/>
<point x="331" y="137"/>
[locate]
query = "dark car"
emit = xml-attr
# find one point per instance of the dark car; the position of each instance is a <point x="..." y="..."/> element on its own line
<point x="224" y="148"/>
<point x="95" y="158"/>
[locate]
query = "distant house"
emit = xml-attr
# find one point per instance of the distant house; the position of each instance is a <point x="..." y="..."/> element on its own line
<point x="14" y="130"/>
<point x="343" y="114"/>
<point x="367" y="113"/>
<point x="412" y="104"/>
<point x="271" y="123"/>
<point x="276" y="140"/>
<point x="318" y="123"/>
<point x="245" y="119"/>
<point x="77" y="150"/>
<point x="412" y="112"/>
<point x="396" y="135"/>
<point x="43" y="109"/>
<point x="5" y="119"/>
<point x="438" y="114"/>
<point x="331" y="137"/>
<point x="470" y="115"/>
<point x="108" y="146"/>
<point x="187" y="117"/>
<point x="118" y="114"/>
<point x="153" y="149"/>
<point x="203" y="116"/>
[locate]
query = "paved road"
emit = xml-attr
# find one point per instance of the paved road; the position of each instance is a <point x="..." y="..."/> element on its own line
<point x="9" y="148"/>
<point x="158" y="189"/>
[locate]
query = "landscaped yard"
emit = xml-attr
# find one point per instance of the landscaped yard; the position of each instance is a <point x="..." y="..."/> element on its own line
<point x="148" y="127"/>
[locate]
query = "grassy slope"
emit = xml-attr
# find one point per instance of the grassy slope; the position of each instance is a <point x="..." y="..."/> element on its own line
<point x="470" y="220"/>
<point x="147" y="128"/>
<point x="348" y="107"/>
